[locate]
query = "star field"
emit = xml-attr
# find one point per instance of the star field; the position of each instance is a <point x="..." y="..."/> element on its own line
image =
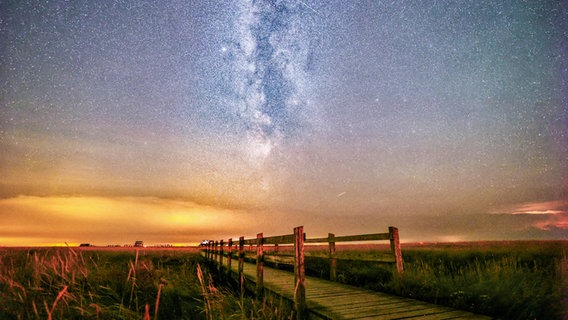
<point x="294" y="112"/>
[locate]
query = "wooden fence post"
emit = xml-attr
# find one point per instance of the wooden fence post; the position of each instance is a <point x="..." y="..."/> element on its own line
<point x="259" y="265"/>
<point x="209" y="249"/>
<point x="395" y="248"/>
<point x="229" y="256"/>
<point x="216" y="251"/>
<point x="332" y="258"/>
<point x="241" y="264"/>
<point x="221" y="243"/>
<point x="212" y="251"/>
<point x="299" y="274"/>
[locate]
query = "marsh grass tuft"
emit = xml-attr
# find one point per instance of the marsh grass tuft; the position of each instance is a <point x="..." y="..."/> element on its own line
<point x="62" y="283"/>
<point x="68" y="283"/>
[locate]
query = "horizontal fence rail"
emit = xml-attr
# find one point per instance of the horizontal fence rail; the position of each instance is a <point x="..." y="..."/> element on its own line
<point x="217" y="251"/>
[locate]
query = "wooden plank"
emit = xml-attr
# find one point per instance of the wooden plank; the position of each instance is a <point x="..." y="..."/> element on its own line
<point x="346" y="303"/>
<point x="431" y="314"/>
<point x="384" y="308"/>
<point x="392" y="312"/>
<point x="317" y="240"/>
<point x="336" y="295"/>
<point x="315" y="285"/>
<point x="248" y="242"/>
<point x="384" y="257"/>
<point x="284" y="239"/>
<point x="338" y="298"/>
<point x="313" y="288"/>
<point x="324" y="290"/>
<point x="359" y="237"/>
<point x="472" y="316"/>
<point x="342" y="302"/>
<point x="446" y="315"/>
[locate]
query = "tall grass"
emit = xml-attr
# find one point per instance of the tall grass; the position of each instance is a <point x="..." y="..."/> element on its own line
<point x="520" y="281"/>
<point x="58" y="283"/>
<point x="67" y="283"/>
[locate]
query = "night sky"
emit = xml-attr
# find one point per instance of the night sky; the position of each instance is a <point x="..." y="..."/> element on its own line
<point x="176" y="121"/>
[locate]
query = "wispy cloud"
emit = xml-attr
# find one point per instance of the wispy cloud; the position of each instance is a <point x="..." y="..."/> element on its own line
<point x="553" y="215"/>
<point x="547" y="207"/>
<point x="557" y="221"/>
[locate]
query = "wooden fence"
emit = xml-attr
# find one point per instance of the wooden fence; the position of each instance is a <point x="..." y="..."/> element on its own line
<point x="219" y="250"/>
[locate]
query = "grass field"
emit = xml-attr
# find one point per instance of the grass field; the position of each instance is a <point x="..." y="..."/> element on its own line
<point x="508" y="280"/>
<point x="110" y="283"/>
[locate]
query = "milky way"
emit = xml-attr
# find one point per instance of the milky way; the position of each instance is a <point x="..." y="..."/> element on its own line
<point x="309" y="112"/>
<point x="267" y="54"/>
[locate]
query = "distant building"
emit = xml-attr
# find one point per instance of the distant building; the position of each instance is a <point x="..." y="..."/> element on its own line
<point x="85" y="245"/>
<point x="139" y="243"/>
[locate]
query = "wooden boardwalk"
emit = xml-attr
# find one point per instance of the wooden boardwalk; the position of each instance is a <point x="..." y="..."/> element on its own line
<point x="331" y="300"/>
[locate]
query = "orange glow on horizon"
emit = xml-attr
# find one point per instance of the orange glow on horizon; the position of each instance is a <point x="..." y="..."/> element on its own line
<point x="55" y="221"/>
<point x="119" y="221"/>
